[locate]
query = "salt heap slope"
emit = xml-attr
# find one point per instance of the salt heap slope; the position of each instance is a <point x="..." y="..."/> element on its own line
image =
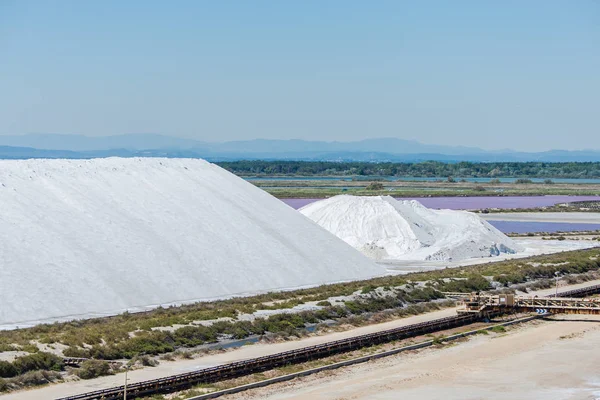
<point x="385" y="229"/>
<point x="93" y="237"/>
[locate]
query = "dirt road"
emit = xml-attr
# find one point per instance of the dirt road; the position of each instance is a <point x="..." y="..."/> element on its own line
<point x="547" y="360"/>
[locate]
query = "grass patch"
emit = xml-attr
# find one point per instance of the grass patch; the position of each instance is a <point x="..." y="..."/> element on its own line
<point x="498" y="329"/>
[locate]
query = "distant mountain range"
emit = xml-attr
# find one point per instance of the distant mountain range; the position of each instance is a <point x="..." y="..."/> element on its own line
<point x="373" y="150"/>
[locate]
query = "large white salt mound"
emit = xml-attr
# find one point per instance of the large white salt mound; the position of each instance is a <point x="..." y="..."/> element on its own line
<point x="385" y="229"/>
<point x="93" y="237"/>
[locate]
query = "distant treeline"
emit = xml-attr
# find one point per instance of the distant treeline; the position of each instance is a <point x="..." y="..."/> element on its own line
<point x="421" y="169"/>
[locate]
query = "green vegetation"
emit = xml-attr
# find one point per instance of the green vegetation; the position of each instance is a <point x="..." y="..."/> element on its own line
<point x="7" y="370"/>
<point x="523" y="181"/>
<point x="132" y="336"/>
<point x="375" y="186"/>
<point x="498" y="329"/>
<point x="422" y="169"/>
<point x="583" y="206"/>
<point x="30" y="370"/>
<point x="31" y="378"/>
<point x="90" y="369"/>
<point x="430" y="190"/>
<point x="438" y="340"/>
<point x="38" y="361"/>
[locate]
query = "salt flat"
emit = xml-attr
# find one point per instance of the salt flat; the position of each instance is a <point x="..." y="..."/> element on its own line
<point x="82" y="238"/>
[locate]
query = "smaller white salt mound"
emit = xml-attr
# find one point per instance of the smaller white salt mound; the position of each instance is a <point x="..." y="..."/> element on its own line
<point x="388" y="229"/>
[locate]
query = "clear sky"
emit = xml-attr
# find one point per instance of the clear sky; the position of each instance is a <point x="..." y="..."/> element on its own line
<point x="494" y="74"/>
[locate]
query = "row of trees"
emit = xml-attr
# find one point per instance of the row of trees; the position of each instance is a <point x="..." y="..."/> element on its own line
<point x="422" y="169"/>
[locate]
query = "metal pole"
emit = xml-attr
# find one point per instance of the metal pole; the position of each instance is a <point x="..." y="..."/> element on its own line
<point x="125" y="389"/>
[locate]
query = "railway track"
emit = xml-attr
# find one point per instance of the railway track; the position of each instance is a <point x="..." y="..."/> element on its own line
<point x="581" y="292"/>
<point x="183" y="381"/>
<point x="73" y="361"/>
<point x="232" y="370"/>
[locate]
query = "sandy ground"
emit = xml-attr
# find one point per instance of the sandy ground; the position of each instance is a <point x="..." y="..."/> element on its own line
<point x="569" y="217"/>
<point x="543" y="360"/>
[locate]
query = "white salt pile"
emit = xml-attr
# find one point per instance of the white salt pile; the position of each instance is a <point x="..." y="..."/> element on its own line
<point x="93" y="237"/>
<point x="385" y="228"/>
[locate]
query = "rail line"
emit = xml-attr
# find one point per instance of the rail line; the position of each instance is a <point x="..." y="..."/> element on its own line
<point x="73" y="361"/>
<point x="232" y="370"/>
<point x="581" y="292"/>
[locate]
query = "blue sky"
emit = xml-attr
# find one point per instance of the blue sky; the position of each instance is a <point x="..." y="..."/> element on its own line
<point x="510" y="74"/>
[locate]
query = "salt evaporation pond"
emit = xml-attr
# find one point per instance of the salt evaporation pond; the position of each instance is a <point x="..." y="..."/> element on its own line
<point x="414" y="179"/>
<point x="474" y="202"/>
<point x="526" y="227"/>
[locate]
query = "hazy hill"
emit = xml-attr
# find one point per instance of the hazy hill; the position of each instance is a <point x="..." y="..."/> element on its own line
<point x="153" y="145"/>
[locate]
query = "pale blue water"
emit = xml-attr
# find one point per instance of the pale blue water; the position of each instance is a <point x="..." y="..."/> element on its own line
<point x="550" y="227"/>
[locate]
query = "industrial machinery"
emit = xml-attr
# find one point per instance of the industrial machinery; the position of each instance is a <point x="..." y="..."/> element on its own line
<point x="483" y="304"/>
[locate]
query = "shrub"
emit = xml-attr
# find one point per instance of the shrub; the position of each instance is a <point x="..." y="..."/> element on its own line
<point x="76" y="352"/>
<point x="368" y="289"/>
<point x="473" y="283"/>
<point x="522" y="181"/>
<point x="421" y="295"/>
<point x="186" y="355"/>
<point x="549" y="182"/>
<point x="90" y="369"/>
<point x="38" y="361"/>
<point x="375" y="186"/>
<point x="30" y="348"/>
<point x="438" y="340"/>
<point x="3" y="385"/>
<point x="479" y="189"/>
<point x="511" y="278"/>
<point x="36" y="378"/>
<point x="147" y="361"/>
<point x="194" y="335"/>
<point x="155" y="343"/>
<point x="7" y="347"/>
<point x="7" y="370"/>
